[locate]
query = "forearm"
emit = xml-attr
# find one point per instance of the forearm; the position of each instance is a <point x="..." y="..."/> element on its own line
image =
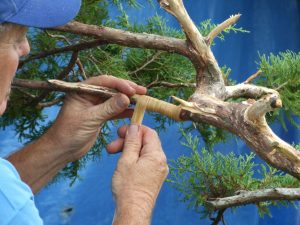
<point x="39" y="162"/>
<point x="130" y="215"/>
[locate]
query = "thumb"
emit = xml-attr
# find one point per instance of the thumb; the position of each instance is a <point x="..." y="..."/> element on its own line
<point x="111" y="107"/>
<point x="132" y="144"/>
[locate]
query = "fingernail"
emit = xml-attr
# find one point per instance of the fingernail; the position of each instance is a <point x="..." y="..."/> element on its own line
<point x="133" y="130"/>
<point x="121" y="102"/>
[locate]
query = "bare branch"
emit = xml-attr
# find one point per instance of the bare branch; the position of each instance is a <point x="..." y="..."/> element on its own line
<point x="70" y="48"/>
<point x="221" y="27"/>
<point x="125" y="38"/>
<point x="252" y="77"/>
<point x="177" y="9"/>
<point x="81" y="68"/>
<point x="42" y="105"/>
<point x="257" y="111"/>
<point x="252" y="197"/>
<point x="55" y="85"/>
<point x="157" y="83"/>
<point x="247" y="91"/>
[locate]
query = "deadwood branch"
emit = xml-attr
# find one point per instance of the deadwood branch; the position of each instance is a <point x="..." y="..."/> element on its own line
<point x="254" y="197"/>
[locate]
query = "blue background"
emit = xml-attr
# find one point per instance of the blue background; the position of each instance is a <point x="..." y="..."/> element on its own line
<point x="274" y="27"/>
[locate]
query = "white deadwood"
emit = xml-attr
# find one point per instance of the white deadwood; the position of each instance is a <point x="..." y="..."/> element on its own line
<point x="252" y="197"/>
<point x="221" y="27"/>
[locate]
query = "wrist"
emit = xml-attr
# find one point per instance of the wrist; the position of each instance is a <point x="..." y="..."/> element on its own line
<point x="132" y="214"/>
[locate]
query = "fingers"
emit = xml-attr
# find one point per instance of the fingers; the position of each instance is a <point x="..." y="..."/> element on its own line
<point x="150" y="140"/>
<point x="110" y="108"/>
<point x="127" y="113"/>
<point x="126" y="87"/>
<point x="116" y="146"/>
<point x="132" y="144"/>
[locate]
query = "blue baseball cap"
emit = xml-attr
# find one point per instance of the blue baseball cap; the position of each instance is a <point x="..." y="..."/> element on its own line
<point x="38" y="13"/>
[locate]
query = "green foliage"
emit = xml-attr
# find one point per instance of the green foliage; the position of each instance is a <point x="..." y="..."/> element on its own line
<point x="204" y="174"/>
<point x="282" y="71"/>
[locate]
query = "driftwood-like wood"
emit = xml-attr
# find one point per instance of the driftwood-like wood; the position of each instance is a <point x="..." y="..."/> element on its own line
<point x="252" y="197"/>
<point x="208" y="104"/>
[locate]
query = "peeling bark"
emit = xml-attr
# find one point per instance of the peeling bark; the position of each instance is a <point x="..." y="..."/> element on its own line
<point x="252" y="197"/>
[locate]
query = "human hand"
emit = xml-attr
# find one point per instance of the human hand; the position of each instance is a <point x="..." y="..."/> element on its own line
<point x="77" y="126"/>
<point x="139" y="175"/>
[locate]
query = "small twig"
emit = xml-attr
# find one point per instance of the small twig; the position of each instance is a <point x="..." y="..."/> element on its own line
<point x="61" y="76"/>
<point x="170" y="85"/>
<point x="153" y="58"/>
<point x="70" y="48"/>
<point x="42" y="105"/>
<point x="25" y="92"/>
<point x="221" y="27"/>
<point x="220" y="217"/>
<point x="252" y="77"/>
<point x="81" y="68"/>
<point x="281" y="86"/>
<point x="58" y="36"/>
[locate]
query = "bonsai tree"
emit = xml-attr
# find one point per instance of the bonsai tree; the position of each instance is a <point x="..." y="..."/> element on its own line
<point x="174" y="63"/>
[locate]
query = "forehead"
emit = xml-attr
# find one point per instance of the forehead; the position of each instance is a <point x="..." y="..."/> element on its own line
<point x="11" y="32"/>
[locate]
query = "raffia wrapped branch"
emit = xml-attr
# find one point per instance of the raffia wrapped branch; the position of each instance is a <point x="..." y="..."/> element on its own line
<point x="144" y="102"/>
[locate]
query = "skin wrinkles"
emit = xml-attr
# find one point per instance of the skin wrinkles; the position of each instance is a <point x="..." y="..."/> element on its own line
<point x="12" y="47"/>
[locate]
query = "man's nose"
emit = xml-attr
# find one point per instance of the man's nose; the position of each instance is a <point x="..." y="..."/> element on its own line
<point x="24" y="48"/>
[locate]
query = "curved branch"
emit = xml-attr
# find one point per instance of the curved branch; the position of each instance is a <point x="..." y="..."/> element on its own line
<point x="177" y="9"/>
<point x="209" y="77"/>
<point x="252" y="197"/>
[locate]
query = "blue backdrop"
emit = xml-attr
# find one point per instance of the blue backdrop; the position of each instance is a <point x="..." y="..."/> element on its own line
<point x="274" y="27"/>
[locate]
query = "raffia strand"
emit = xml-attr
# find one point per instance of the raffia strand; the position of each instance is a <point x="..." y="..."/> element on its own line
<point x="144" y="102"/>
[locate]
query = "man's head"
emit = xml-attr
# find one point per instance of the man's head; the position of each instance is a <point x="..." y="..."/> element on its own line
<point x="15" y="16"/>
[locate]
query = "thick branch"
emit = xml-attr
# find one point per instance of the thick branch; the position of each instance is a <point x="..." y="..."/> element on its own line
<point x="229" y="116"/>
<point x="256" y="133"/>
<point x="125" y="38"/>
<point x="209" y="77"/>
<point x="54" y="85"/>
<point x="248" y="91"/>
<point x="257" y="111"/>
<point x="177" y="9"/>
<point x="252" y="197"/>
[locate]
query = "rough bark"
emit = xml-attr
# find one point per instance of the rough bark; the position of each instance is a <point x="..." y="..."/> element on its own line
<point x="252" y="197"/>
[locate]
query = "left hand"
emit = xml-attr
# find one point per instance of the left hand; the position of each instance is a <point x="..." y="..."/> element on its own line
<point x="78" y="123"/>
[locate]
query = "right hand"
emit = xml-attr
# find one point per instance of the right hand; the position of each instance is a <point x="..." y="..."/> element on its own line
<point x="140" y="172"/>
